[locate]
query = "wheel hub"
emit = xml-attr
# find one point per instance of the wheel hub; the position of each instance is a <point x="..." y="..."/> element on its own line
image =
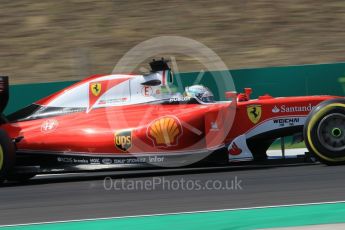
<point x="331" y="132"/>
<point x="336" y="132"/>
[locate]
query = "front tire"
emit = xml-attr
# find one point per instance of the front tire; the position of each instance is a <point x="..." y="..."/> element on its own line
<point x="324" y="132"/>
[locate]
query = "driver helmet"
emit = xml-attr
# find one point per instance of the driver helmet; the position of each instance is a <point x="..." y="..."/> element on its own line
<point x="200" y="92"/>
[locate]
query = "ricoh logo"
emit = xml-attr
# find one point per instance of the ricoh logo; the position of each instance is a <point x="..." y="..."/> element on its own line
<point x="292" y="109"/>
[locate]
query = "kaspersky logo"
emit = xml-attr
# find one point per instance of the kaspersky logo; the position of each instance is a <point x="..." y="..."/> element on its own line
<point x="292" y="109"/>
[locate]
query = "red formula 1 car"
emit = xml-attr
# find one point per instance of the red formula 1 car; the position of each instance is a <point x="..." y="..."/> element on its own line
<point x="121" y="121"/>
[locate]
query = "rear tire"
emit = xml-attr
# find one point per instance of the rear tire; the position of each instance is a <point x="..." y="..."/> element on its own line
<point x="7" y="157"/>
<point x="324" y="132"/>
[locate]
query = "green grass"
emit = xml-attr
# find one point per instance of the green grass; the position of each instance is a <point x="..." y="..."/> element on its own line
<point x="277" y="144"/>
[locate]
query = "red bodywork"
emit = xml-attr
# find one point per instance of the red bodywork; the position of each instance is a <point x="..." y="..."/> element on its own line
<point x="119" y="116"/>
<point x="94" y="132"/>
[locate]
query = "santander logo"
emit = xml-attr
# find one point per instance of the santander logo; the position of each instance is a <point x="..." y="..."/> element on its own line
<point x="275" y="109"/>
<point x="292" y="109"/>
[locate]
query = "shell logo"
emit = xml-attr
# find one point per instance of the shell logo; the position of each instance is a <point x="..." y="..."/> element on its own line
<point x="165" y="131"/>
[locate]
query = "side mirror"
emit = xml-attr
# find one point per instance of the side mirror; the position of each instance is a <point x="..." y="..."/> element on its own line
<point x="248" y="92"/>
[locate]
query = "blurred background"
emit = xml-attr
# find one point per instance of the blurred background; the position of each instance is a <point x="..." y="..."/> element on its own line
<point x="44" y="41"/>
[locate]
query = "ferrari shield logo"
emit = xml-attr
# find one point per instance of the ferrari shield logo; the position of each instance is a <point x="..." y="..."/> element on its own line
<point x="96" y="88"/>
<point x="123" y="140"/>
<point x="254" y="113"/>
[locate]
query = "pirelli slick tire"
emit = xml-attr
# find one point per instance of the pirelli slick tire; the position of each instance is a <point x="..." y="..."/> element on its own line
<point x="7" y="155"/>
<point x="324" y="132"/>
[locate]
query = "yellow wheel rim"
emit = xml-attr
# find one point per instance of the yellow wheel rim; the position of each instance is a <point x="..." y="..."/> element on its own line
<point x="312" y="123"/>
<point x="1" y="157"/>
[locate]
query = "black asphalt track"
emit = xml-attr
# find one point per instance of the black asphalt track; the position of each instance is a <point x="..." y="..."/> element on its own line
<point x="70" y="197"/>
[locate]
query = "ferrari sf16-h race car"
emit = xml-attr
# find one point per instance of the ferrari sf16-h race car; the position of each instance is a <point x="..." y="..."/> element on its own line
<point x="110" y="122"/>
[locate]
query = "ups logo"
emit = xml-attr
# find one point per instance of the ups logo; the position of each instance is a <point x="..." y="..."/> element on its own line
<point x="123" y="140"/>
